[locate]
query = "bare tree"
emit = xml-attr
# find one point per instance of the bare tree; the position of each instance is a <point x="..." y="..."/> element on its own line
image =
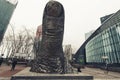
<point x="20" y="43"/>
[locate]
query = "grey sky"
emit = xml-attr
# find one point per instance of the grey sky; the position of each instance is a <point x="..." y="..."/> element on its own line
<point x="81" y="16"/>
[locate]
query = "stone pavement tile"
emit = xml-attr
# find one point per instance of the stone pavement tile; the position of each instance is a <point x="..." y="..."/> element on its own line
<point x="5" y="70"/>
<point x="9" y="73"/>
<point x="106" y="79"/>
<point x="101" y="75"/>
<point x="5" y="78"/>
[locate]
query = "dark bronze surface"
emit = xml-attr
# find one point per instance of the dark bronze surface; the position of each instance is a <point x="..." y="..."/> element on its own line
<point x="50" y="57"/>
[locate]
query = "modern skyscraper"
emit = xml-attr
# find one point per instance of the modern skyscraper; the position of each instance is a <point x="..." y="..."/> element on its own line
<point x="103" y="43"/>
<point x="6" y="10"/>
<point x="87" y="35"/>
<point x="104" y="18"/>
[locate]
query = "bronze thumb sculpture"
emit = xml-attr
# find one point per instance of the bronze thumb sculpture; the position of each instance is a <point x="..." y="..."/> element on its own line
<point x="50" y="57"/>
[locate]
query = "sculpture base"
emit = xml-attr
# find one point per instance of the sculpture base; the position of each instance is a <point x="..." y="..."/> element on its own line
<point x="48" y="64"/>
<point x="27" y="75"/>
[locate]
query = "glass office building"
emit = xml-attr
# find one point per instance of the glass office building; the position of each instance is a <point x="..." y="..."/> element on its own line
<point x="6" y="10"/>
<point x="105" y="41"/>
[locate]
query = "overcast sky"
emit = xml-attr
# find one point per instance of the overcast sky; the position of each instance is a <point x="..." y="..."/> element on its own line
<point x="81" y="16"/>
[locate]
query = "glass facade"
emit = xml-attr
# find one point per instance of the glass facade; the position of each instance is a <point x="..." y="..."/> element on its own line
<point x="6" y="11"/>
<point x="105" y="43"/>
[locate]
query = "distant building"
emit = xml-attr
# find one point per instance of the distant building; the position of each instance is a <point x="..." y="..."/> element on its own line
<point x="37" y="40"/>
<point x="39" y="32"/>
<point x="68" y="52"/>
<point x="6" y="10"/>
<point x="104" y="18"/>
<point x="105" y="41"/>
<point x="87" y="35"/>
<point x="68" y="57"/>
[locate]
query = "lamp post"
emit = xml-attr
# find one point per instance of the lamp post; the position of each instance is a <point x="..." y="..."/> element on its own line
<point x="105" y="58"/>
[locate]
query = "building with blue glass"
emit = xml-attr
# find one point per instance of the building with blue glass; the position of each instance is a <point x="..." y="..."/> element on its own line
<point x="104" y="42"/>
<point x="6" y="10"/>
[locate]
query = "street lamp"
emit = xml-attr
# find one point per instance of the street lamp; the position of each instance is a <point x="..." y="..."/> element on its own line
<point x="105" y="58"/>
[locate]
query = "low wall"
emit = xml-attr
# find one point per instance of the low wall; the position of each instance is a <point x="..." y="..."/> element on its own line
<point x="27" y="75"/>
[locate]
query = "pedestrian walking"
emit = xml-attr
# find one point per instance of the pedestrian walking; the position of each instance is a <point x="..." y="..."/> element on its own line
<point x="78" y="69"/>
<point x="1" y="59"/>
<point x="14" y="62"/>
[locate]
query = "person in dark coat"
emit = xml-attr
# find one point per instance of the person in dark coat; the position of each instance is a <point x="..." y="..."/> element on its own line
<point x="78" y="69"/>
<point x="14" y="62"/>
<point x="1" y="59"/>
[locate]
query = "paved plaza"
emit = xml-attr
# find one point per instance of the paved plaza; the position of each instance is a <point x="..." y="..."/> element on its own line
<point x="101" y="74"/>
<point x="98" y="74"/>
<point x="6" y="73"/>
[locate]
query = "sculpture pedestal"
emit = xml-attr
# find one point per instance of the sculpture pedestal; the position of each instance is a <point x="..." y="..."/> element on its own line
<point x="27" y="75"/>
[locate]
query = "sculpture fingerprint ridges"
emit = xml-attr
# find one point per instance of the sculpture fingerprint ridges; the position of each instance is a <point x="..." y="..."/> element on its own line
<point x="50" y="57"/>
